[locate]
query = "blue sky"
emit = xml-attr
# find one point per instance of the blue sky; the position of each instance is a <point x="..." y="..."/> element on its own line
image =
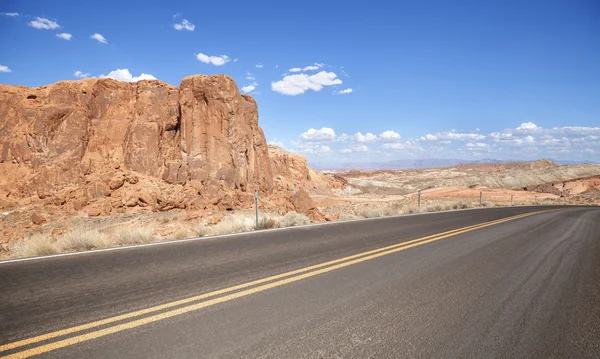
<point x="347" y="81"/>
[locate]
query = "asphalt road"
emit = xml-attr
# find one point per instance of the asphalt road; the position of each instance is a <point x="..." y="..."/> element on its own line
<point x="405" y="287"/>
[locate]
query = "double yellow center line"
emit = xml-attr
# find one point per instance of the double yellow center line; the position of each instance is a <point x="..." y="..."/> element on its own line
<point x="220" y="296"/>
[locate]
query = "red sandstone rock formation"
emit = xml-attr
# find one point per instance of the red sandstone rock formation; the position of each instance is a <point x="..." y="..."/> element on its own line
<point x="132" y="144"/>
<point x="104" y="147"/>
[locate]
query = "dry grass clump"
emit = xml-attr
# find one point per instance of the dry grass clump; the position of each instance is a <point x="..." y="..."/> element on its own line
<point x="133" y="235"/>
<point x="439" y="207"/>
<point x="379" y="212"/>
<point x="265" y="223"/>
<point x="233" y="224"/>
<point x="79" y="240"/>
<point x="433" y="208"/>
<point x="548" y="203"/>
<point x="292" y="219"/>
<point x="349" y="217"/>
<point x="181" y="233"/>
<point x="461" y="205"/>
<point x="411" y="210"/>
<point x="200" y="230"/>
<point x="488" y="204"/>
<point x="35" y="245"/>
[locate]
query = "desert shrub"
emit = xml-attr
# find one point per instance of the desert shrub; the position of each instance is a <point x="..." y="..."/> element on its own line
<point x="133" y="235"/>
<point x="181" y="233"/>
<point x="461" y="205"/>
<point x="411" y="210"/>
<point x="349" y="217"/>
<point x="265" y="223"/>
<point x="292" y="219"/>
<point x="34" y="245"/>
<point x="79" y="240"/>
<point x="379" y="212"/>
<point x="434" y="208"/>
<point x="200" y="230"/>
<point x="234" y="224"/>
<point x="488" y="204"/>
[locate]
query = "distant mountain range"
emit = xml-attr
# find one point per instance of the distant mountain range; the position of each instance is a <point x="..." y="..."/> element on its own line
<point x="418" y="163"/>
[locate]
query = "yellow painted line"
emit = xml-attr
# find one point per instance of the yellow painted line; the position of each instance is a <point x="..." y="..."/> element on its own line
<point x="329" y="267"/>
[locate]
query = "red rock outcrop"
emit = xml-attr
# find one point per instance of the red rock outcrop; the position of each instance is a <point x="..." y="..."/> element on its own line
<point x="101" y="147"/>
<point x="132" y="144"/>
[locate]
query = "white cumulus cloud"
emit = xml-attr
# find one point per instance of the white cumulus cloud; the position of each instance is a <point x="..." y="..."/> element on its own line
<point x="361" y="148"/>
<point x="369" y="137"/>
<point x="390" y="136"/>
<point x="4" y="69"/>
<point x="346" y="91"/>
<point x="98" y="38"/>
<point x="314" y="67"/>
<point x="184" y="25"/>
<point x="64" y="36"/>
<point x="343" y="137"/>
<point x="398" y="146"/>
<point x="213" y="60"/>
<point x="528" y="126"/>
<point x="474" y="145"/>
<point x="298" y="84"/>
<point x="80" y="74"/>
<point x="249" y="88"/>
<point x="11" y="14"/>
<point x="314" y="149"/>
<point x="43" y="23"/>
<point x="259" y="66"/>
<point x="126" y="76"/>
<point x="452" y="136"/>
<point x="322" y="135"/>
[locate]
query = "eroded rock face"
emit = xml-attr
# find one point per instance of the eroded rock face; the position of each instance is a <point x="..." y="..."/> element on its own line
<point x="100" y="147"/>
<point x="126" y="143"/>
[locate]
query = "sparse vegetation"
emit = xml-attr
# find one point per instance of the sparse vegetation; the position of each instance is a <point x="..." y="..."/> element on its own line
<point x="379" y="212"/>
<point x="79" y="240"/>
<point x="200" y="230"/>
<point x="292" y="219"/>
<point x="433" y="208"/>
<point x="133" y="235"/>
<point x="411" y="210"/>
<point x="35" y="245"/>
<point x="461" y="205"/>
<point x="181" y="233"/>
<point x="265" y="223"/>
<point x="233" y="224"/>
<point x="488" y="204"/>
<point x="349" y="217"/>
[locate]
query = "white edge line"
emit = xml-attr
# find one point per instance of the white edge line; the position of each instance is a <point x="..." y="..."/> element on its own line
<point x="174" y="241"/>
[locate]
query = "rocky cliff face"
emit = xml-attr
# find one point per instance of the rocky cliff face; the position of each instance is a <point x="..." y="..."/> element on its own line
<point x="102" y="145"/>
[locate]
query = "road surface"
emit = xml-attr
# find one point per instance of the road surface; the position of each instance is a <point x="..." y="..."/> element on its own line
<point x="518" y="282"/>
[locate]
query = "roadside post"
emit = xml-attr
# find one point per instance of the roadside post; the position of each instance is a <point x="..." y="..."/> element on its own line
<point x="511" y="200"/>
<point x="256" y="205"/>
<point x="419" y="199"/>
<point x="480" y="197"/>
